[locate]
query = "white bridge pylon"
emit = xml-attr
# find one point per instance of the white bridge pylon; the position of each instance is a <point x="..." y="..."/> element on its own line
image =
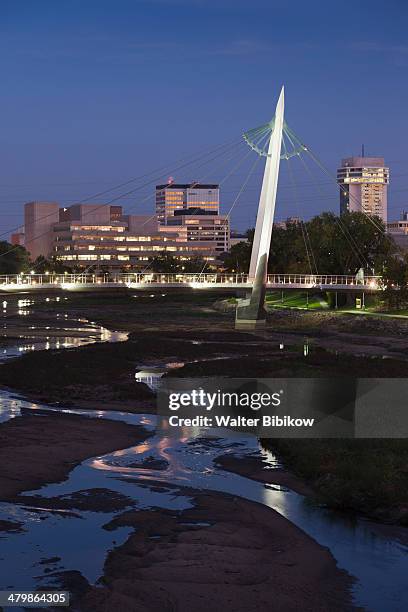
<point x="267" y="200"/>
<point x="250" y="312"/>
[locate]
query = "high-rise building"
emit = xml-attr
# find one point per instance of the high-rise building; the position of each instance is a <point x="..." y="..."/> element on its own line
<point x="196" y="197"/>
<point x="363" y="186"/>
<point x="39" y="219"/>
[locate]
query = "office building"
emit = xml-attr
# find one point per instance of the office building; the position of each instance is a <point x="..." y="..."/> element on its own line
<point x="398" y="230"/>
<point x="400" y="226"/>
<point x="113" y="246"/>
<point x="39" y="219"/>
<point x="187" y="197"/>
<point x="87" y="235"/>
<point x="201" y="229"/>
<point x="363" y="186"/>
<point x="93" y="234"/>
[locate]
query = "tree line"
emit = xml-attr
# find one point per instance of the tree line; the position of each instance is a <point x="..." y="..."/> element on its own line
<point x="327" y="244"/>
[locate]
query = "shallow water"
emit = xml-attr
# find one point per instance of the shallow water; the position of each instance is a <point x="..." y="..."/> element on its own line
<point x="377" y="562"/>
<point x="47" y="331"/>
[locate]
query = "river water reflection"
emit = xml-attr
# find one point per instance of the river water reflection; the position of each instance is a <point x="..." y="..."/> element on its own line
<point x="175" y="462"/>
<point x="159" y="472"/>
<point x="20" y="332"/>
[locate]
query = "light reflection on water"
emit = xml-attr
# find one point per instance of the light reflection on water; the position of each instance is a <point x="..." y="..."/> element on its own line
<point x="50" y="331"/>
<point x="48" y="337"/>
<point x="378" y="563"/>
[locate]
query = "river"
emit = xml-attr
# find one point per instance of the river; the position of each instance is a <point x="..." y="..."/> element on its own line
<point x="77" y="541"/>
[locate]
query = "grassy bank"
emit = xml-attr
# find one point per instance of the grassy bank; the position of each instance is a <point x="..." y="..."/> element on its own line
<point x="368" y="476"/>
<point x="296" y="299"/>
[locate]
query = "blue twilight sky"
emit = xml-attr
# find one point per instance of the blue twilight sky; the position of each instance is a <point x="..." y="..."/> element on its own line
<point x="95" y="92"/>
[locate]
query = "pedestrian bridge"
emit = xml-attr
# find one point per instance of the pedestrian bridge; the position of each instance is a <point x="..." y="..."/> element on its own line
<point x="151" y="280"/>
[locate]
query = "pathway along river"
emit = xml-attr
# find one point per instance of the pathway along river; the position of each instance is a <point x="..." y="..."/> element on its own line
<point x="77" y="541"/>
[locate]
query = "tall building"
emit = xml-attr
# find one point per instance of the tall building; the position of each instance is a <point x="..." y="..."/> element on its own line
<point x="363" y="186"/>
<point x="193" y="197"/>
<point x="39" y="219"/>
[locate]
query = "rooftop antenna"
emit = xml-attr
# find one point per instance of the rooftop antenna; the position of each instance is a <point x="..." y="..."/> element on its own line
<point x="362" y="150"/>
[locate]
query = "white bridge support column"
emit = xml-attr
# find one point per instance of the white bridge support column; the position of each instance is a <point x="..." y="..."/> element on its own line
<point x="250" y="312"/>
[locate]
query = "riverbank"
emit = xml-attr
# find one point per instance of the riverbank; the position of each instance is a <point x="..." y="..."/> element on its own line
<point x="224" y="553"/>
<point x="186" y="330"/>
<point x="369" y="477"/>
<point x="364" y="477"/>
<point x="256" y="469"/>
<point x="38" y="450"/>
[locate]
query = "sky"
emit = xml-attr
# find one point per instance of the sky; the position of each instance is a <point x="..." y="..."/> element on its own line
<point x="98" y="92"/>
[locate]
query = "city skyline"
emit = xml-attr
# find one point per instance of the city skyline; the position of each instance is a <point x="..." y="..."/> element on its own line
<point x="204" y="326"/>
<point x="116" y="97"/>
<point x="92" y="234"/>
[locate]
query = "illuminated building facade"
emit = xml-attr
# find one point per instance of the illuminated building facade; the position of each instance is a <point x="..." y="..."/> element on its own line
<point x="85" y="235"/>
<point x="201" y="229"/>
<point x="114" y="247"/>
<point x="363" y="186"/>
<point x="99" y="239"/>
<point x="172" y="197"/>
<point x="400" y="226"/>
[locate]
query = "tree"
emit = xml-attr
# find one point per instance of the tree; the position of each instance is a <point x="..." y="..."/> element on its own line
<point x="165" y="263"/>
<point x="287" y="254"/>
<point x="239" y="256"/>
<point x="395" y="280"/>
<point x="343" y="245"/>
<point x="42" y="265"/>
<point x="13" y="259"/>
<point x="327" y="244"/>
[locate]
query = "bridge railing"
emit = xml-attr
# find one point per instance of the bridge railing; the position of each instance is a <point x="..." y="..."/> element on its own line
<point x="191" y="279"/>
<point x="317" y="280"/>
<point x="301" y="280"/>
<point x="51" y="279"/>
<point x="187" y="278"/>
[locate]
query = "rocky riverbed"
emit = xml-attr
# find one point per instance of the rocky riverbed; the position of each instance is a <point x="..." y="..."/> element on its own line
<point x="181" y="330"/>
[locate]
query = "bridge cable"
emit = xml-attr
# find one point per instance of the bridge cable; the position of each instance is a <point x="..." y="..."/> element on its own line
<point x="150" y="195"/>
<point x="115" y="199"/>
<point x="127" y="182"/>
<point x="302" y="224"/>
<point x="202" y="178"/>
<point x="221" y="182"/>
<point x="333" y="179"/>
<point x="343" y="228"/>
<point x="240" y="161"/>
<point x="303" y="147"/>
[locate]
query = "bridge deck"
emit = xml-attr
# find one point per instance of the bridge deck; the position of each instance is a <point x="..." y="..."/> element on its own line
<point x="150" y="281"/>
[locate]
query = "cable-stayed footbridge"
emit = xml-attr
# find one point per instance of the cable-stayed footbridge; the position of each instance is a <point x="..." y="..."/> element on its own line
<point x="272" y="143"/>
<point x="148" y="281"/>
